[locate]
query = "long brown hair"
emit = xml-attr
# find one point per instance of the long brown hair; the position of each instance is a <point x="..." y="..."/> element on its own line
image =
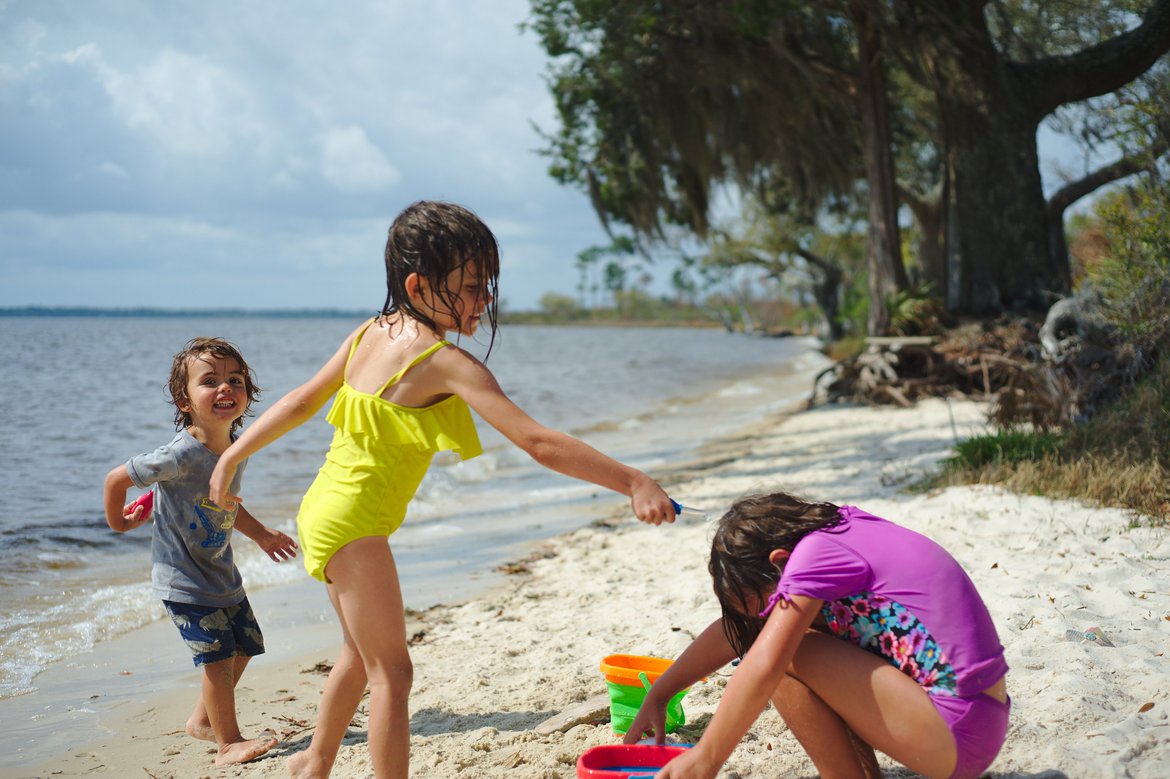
<point x="744" y="538"/>
<point x="433" y="238"/>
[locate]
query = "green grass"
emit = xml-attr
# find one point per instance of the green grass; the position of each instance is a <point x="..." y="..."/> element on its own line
<point x="1004" y="447"/>
<point x="1120" y="457"/>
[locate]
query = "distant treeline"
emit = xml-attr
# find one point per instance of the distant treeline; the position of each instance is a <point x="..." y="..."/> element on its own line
<point x="180" y="312"/>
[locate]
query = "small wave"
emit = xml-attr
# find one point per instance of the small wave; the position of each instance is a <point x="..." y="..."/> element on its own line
<point x="56" y="561"/>
<point x="741" y="389"/>
<point x="31" y="638"/>
<point x="439" y="530"/>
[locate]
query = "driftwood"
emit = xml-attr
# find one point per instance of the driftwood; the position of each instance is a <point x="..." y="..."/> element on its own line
<point x="1048" y="376"/>
<point x="594" y="710"/>
<point x="903" y="370"/>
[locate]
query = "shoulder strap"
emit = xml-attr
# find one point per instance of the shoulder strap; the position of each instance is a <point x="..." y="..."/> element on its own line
<point x="358" y="339"/>
<point x="425" y="354"/>
<point x="353" y="348"/>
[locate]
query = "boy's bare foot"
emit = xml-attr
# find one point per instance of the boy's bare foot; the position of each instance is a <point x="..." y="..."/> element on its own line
<point x="303" y="765"/>
<point x="243" y="751"/>
<point x="200" y="730"/>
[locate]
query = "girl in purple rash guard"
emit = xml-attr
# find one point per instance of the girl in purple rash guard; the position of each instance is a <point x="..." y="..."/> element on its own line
<point x="862" y="633"/>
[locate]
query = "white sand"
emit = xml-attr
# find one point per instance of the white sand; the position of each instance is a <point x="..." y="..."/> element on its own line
<point x="489" y="671"/>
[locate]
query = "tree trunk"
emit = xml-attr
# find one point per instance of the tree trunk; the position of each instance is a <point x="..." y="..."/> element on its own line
<point x="826" y="289"/>
<point x="996" y="221"/>
<point x="997" y="229"/>
<point x="928" y="243"/>
<point x="999" y="240"/>
<point x="887" y="274"/>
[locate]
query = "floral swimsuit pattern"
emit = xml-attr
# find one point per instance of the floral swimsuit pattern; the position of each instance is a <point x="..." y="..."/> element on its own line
<point x="891" y="631"/>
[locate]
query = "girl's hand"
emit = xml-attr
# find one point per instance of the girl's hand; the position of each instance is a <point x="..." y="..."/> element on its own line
<point x="221" y="481"/>
<point x="277" y="545"/>
<point x="650" y="503"/>
<point x="651" y="718"/>
<point x="688" y="765"/>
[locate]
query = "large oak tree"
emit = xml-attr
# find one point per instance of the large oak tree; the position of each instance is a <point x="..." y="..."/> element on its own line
<point x="662" y="102"/>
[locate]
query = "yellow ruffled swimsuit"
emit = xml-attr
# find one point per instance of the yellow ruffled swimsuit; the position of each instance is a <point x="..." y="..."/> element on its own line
<point x="379" y="455"/>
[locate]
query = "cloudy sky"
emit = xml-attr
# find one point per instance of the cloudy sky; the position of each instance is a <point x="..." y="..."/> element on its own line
<point x="252" y="154"/>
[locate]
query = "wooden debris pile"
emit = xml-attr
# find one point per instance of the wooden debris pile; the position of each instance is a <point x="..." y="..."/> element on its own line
<point x="1002" y="361"/>
<point x="991" y="360"/>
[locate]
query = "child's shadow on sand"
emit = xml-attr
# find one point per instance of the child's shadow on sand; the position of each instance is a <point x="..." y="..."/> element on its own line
<point x="432" y="721"/>
<point x="426" y="722"/>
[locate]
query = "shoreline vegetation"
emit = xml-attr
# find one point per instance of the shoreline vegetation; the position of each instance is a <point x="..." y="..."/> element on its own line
<point x="683" y="316"/>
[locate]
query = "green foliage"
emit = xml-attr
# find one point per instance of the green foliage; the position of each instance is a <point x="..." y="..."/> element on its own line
<point x="558" y="306"/>
<point x="1120" y="455"/>
<point x="1118" y="458"/>
<point x="915" y="311"/>
<point x="1134" y="278"/>
<point x="1005" y="446"/>
<point x="1137" y="427"/>
<point x="854" y="312"/>
<point x="660" y="103"/>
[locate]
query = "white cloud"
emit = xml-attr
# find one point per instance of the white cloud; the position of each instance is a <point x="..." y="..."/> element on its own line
<point x="113" y="169"/>
<point x="299" y="140"/>
<point x="353" y="164"/>
<point x="185" y="104"/>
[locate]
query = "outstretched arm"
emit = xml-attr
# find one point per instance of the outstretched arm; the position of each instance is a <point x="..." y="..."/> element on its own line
<point x="276" y="545"/>
<point x="291" y="411"/>
<point x="752" y="684"/>
<point x="114" y="493"/>
<point x="470" y="379"/>
<point x="706" y="655"/>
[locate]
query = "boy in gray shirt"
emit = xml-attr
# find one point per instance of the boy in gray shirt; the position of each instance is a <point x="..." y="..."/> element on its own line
<point x="192" y="569"/>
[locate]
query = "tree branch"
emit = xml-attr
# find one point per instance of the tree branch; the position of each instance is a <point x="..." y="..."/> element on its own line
<point x="831" y="269"/>
<point x="1126" y="166"/>
<point x="1097" y="70"/>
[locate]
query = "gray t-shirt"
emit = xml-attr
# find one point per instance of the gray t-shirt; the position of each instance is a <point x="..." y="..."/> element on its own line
<point x="191" y="551"/>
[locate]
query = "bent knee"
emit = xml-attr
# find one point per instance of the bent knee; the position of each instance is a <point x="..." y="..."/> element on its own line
<point x="396" y="676"/>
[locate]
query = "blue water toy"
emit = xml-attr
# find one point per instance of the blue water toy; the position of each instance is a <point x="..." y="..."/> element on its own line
<point x="681" y="510"/>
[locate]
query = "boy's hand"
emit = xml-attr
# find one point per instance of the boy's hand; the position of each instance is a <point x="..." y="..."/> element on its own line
<point x="276" y="545"/>
<point x="135" y="514"/>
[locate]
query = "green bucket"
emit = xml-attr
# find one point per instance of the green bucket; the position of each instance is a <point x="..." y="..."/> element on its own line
<point x="625" y="700"/>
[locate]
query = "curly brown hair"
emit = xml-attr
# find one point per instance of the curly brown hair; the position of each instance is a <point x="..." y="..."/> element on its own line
<point x="180" y="375"/>
<point x="744" y="538"/>
<point x="433" y="238"/>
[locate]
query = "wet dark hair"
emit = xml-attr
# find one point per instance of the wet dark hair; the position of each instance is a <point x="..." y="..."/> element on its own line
<point x="180" y="375"/>
<point x="743" y="576"/>
<point x="433" y="238"/>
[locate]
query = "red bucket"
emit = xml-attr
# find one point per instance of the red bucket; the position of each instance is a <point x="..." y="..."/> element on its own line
<point x="625" y="761"/>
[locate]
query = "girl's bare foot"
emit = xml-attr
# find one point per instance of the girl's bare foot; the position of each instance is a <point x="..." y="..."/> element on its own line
<point x="304" y="765"/>
<point x="200" y="729"/>
<point x="243" y="751"/>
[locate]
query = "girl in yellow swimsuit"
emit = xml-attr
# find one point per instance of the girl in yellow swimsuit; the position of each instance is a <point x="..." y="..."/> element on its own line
<point x="402" y="394"/>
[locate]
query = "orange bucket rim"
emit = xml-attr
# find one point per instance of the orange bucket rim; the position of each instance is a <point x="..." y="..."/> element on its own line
<point x="627" y="669"/>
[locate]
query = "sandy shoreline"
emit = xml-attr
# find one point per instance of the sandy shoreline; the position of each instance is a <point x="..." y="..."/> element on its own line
<point x="488" y="672"/>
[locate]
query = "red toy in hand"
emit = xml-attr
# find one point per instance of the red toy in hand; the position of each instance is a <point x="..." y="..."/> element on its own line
<point x="146" y="500"/>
